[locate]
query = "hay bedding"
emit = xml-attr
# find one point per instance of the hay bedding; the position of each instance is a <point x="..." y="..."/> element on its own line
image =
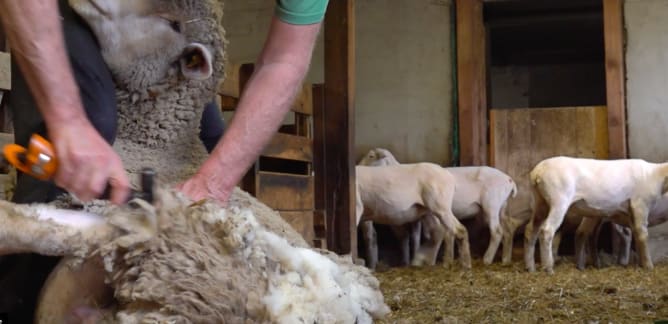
<point x="498" y="294"/>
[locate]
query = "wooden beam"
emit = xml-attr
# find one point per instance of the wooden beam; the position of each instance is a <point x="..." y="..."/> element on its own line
<point x="320" y="184"/>
<point x="471" y="82"/>
<point x="3" y="41"/>
<point x="339" y="33"/>
<point x="613" y="30"/>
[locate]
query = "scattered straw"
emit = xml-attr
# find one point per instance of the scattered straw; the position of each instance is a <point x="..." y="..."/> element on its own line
<point x="509" y="294"/>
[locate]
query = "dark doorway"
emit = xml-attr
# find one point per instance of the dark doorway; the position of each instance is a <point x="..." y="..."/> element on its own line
<point x="545" y="53"/>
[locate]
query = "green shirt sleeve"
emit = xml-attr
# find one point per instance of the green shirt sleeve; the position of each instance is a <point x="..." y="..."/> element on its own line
<point x="301" y="12"/>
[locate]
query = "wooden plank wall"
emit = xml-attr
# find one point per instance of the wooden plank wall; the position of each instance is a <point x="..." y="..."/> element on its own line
<point x="522" y="137"/>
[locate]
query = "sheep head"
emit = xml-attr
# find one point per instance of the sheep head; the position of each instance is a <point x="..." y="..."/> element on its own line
<point x="166" y="58"/>
<point x="146" y="42"/>
<point x="378" y="157"/>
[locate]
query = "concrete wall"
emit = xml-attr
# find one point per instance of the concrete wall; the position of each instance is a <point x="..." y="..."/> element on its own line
<point x="647" y="78"/>
<point x="403" y="77"/>
<point x="246" y="25"/>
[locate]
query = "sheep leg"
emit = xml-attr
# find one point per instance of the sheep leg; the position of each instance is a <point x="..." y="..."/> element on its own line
<point x="436" y="234"/>
<point x="640" y="214"/>
<point x="554" y="219"/>
<point x="448" y="247"/>
<point x="455" y="230"/>
<point x="370" y="243"/>
<point x="416" y="234"/>
<point x="510" y="226"/>
<point x="621" y="243"/>
<point x="539" y="210"/>
<point x="402" y="233"/>
<point x="556" y="241"/>
<point x="593" y="243"/>
<point x="49" y="231"/>
<point x="492" y="216"/>
<point x="583" y="232"/>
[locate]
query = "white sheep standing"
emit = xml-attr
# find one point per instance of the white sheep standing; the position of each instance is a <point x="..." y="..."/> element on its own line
<point x="478" y="190"/>
<point x="175" y="261"/>
<point x="624" y="191"/>
<point x="401" y="194"/>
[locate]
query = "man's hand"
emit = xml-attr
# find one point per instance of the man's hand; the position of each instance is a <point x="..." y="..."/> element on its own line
<point x="201" y="186"/>
<point x="86" y="163"/>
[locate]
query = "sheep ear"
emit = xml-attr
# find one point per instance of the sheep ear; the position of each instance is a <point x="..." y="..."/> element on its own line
<point x="196" y="62"/>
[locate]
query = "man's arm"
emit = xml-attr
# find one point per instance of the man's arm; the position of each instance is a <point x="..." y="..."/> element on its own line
<point x="267" y="98"/>
<point x="86" y="161"/>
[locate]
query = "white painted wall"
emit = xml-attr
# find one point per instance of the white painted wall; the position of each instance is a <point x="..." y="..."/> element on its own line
<point x="647" y="78"/>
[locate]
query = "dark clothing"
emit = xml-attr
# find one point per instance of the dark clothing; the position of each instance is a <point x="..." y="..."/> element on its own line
<point x="21" y="276"/>
<point x="96" y="90"/>
<point x="212" y="126"/>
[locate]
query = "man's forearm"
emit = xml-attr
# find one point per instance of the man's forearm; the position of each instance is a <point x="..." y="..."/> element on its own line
<point x="35" y="35"/>
<point x="255" y="121"/>
<point x="262" y="108"/>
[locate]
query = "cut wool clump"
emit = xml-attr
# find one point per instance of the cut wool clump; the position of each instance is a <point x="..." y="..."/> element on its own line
<point x="207" y="264"/>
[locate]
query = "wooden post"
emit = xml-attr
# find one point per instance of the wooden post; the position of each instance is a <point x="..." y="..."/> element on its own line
<point x="3" y="41"/>
<point x="613" y="30"/>
<point x="471" y="60"/>
<point x="319" y="167"/>
<point x="339" y="88"/>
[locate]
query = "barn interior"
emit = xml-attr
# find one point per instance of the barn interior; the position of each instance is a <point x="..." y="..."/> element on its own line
<point x="498" y="83"/>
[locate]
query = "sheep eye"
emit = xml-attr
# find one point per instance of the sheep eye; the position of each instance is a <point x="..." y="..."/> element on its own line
<point x="175" y="25"/>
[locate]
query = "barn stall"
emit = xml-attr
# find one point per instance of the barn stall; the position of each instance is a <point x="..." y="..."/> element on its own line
<point x="306" y="172"/>
<point x="535" y="79"/>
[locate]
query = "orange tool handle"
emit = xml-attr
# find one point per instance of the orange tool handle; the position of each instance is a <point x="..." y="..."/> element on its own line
<point x="38" y="160"/>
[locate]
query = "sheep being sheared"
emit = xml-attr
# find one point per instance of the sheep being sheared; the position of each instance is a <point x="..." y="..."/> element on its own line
<point x="176" y="261"/>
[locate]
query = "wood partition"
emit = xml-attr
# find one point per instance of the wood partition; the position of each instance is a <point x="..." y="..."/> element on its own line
<point x="520" y="138"/>
<point x="471" y="65"/>
<point x="283" y="177"/>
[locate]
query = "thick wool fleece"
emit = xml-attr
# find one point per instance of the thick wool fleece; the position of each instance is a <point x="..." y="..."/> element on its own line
<point x="181" y="263"/>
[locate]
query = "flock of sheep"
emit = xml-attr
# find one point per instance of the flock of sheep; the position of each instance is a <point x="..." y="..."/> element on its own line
<point x="424" y="199"/>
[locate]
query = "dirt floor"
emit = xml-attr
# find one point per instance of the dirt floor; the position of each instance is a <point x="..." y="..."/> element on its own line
<point x="509" y="294"/>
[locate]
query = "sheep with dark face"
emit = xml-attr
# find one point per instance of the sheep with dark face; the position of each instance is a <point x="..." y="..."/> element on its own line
<point x="175" y="261"/>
